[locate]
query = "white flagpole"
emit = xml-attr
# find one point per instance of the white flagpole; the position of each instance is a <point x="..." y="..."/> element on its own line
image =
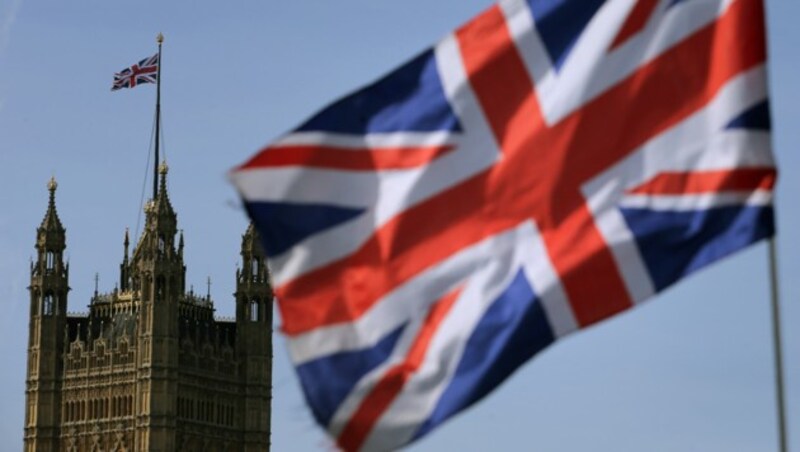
<point x="776" y="337"/>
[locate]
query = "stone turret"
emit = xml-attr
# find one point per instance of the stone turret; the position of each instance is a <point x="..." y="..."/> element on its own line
<point x="254" y="342"/>
<point x="48" y="303"/>
<point x="158" y="274"/>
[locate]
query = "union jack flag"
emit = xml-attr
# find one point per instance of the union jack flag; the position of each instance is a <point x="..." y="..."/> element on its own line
<point x="548" y="165"/>
<point x="145" y="71"/>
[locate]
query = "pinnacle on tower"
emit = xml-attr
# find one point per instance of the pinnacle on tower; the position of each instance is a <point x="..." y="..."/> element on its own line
<point x="163" y="169"/>
<point x="124" y="267"/>
<point x="161" y="217"/>
<point x="253" y="258"/>
<point x="50" y="274"/>
<point x="51" y="223"/>
<point x="162" y="204"/>
<point x="51" y="237"/>
<point x="253" y="290"/>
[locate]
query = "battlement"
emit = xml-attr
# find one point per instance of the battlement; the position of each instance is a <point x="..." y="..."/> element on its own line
<point x="99" y="356"/>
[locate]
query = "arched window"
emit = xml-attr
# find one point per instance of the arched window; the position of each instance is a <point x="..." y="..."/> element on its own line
<point x="254" y="267"/>
<point x="47" y="304"/>
<point x="50" y="261"/>
<point x="162" y="244"/>
<point x="254" y="311"/>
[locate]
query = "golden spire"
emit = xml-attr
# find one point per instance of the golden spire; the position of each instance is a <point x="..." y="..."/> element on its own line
<point x="160" y="38"/>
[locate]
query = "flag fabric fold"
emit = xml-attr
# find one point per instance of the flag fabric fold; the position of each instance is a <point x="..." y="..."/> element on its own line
<point x="145" y="71"/>
<point x="549" y="164"/>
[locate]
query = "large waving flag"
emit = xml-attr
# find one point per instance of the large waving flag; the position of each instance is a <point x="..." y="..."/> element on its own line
<point x="549" y="164"/>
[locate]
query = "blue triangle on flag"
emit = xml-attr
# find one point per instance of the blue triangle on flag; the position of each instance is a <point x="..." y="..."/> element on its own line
<point x="755" y="117"/>
<point x="290" y="223"/>
<point x="561" y="22"/>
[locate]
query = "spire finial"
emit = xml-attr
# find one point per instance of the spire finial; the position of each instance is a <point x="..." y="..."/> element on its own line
<point x="163" y="169"/>
<point x="96" y="283"/>
<point x="160" y="38"/>
<point x="51" y="221"/>
<point x="127" y="238"/>
<point x="52" y="185"/>
<point x="208" y="293"/>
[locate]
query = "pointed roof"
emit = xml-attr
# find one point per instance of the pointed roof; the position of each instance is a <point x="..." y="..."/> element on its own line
<point x="125" y="244"/>
<point x="51" y="222"/>
<point x="161" y="222"/>
<point x="163" y="205"/>
<point x="251" y="242"/>
<point x="160" y="214"/>
<point x="251" y="231"/>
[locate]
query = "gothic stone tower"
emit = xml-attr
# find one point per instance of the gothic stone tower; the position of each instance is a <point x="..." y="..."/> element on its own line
<point x="157" y="272"/>
<point x="48" y="291"/>
<point x="149" y="367"/>
<point x="253" y="319"/>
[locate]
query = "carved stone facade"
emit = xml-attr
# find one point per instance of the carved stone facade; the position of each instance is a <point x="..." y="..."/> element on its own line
<point x="148" y="368"/>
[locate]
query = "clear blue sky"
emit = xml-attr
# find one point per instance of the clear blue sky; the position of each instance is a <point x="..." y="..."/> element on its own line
<point x="691" y="370"/>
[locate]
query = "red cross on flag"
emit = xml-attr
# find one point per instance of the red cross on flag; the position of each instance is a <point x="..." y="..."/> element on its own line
<point x="549" y="164"/>
<point x="145" y="71"/>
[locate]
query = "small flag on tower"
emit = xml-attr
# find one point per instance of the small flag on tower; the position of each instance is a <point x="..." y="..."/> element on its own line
<point x="145" y="71"/>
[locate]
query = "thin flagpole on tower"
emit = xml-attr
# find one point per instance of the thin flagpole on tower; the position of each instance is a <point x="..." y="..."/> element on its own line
<point x="160" y="40"/>
<point x="776" y="338"/>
